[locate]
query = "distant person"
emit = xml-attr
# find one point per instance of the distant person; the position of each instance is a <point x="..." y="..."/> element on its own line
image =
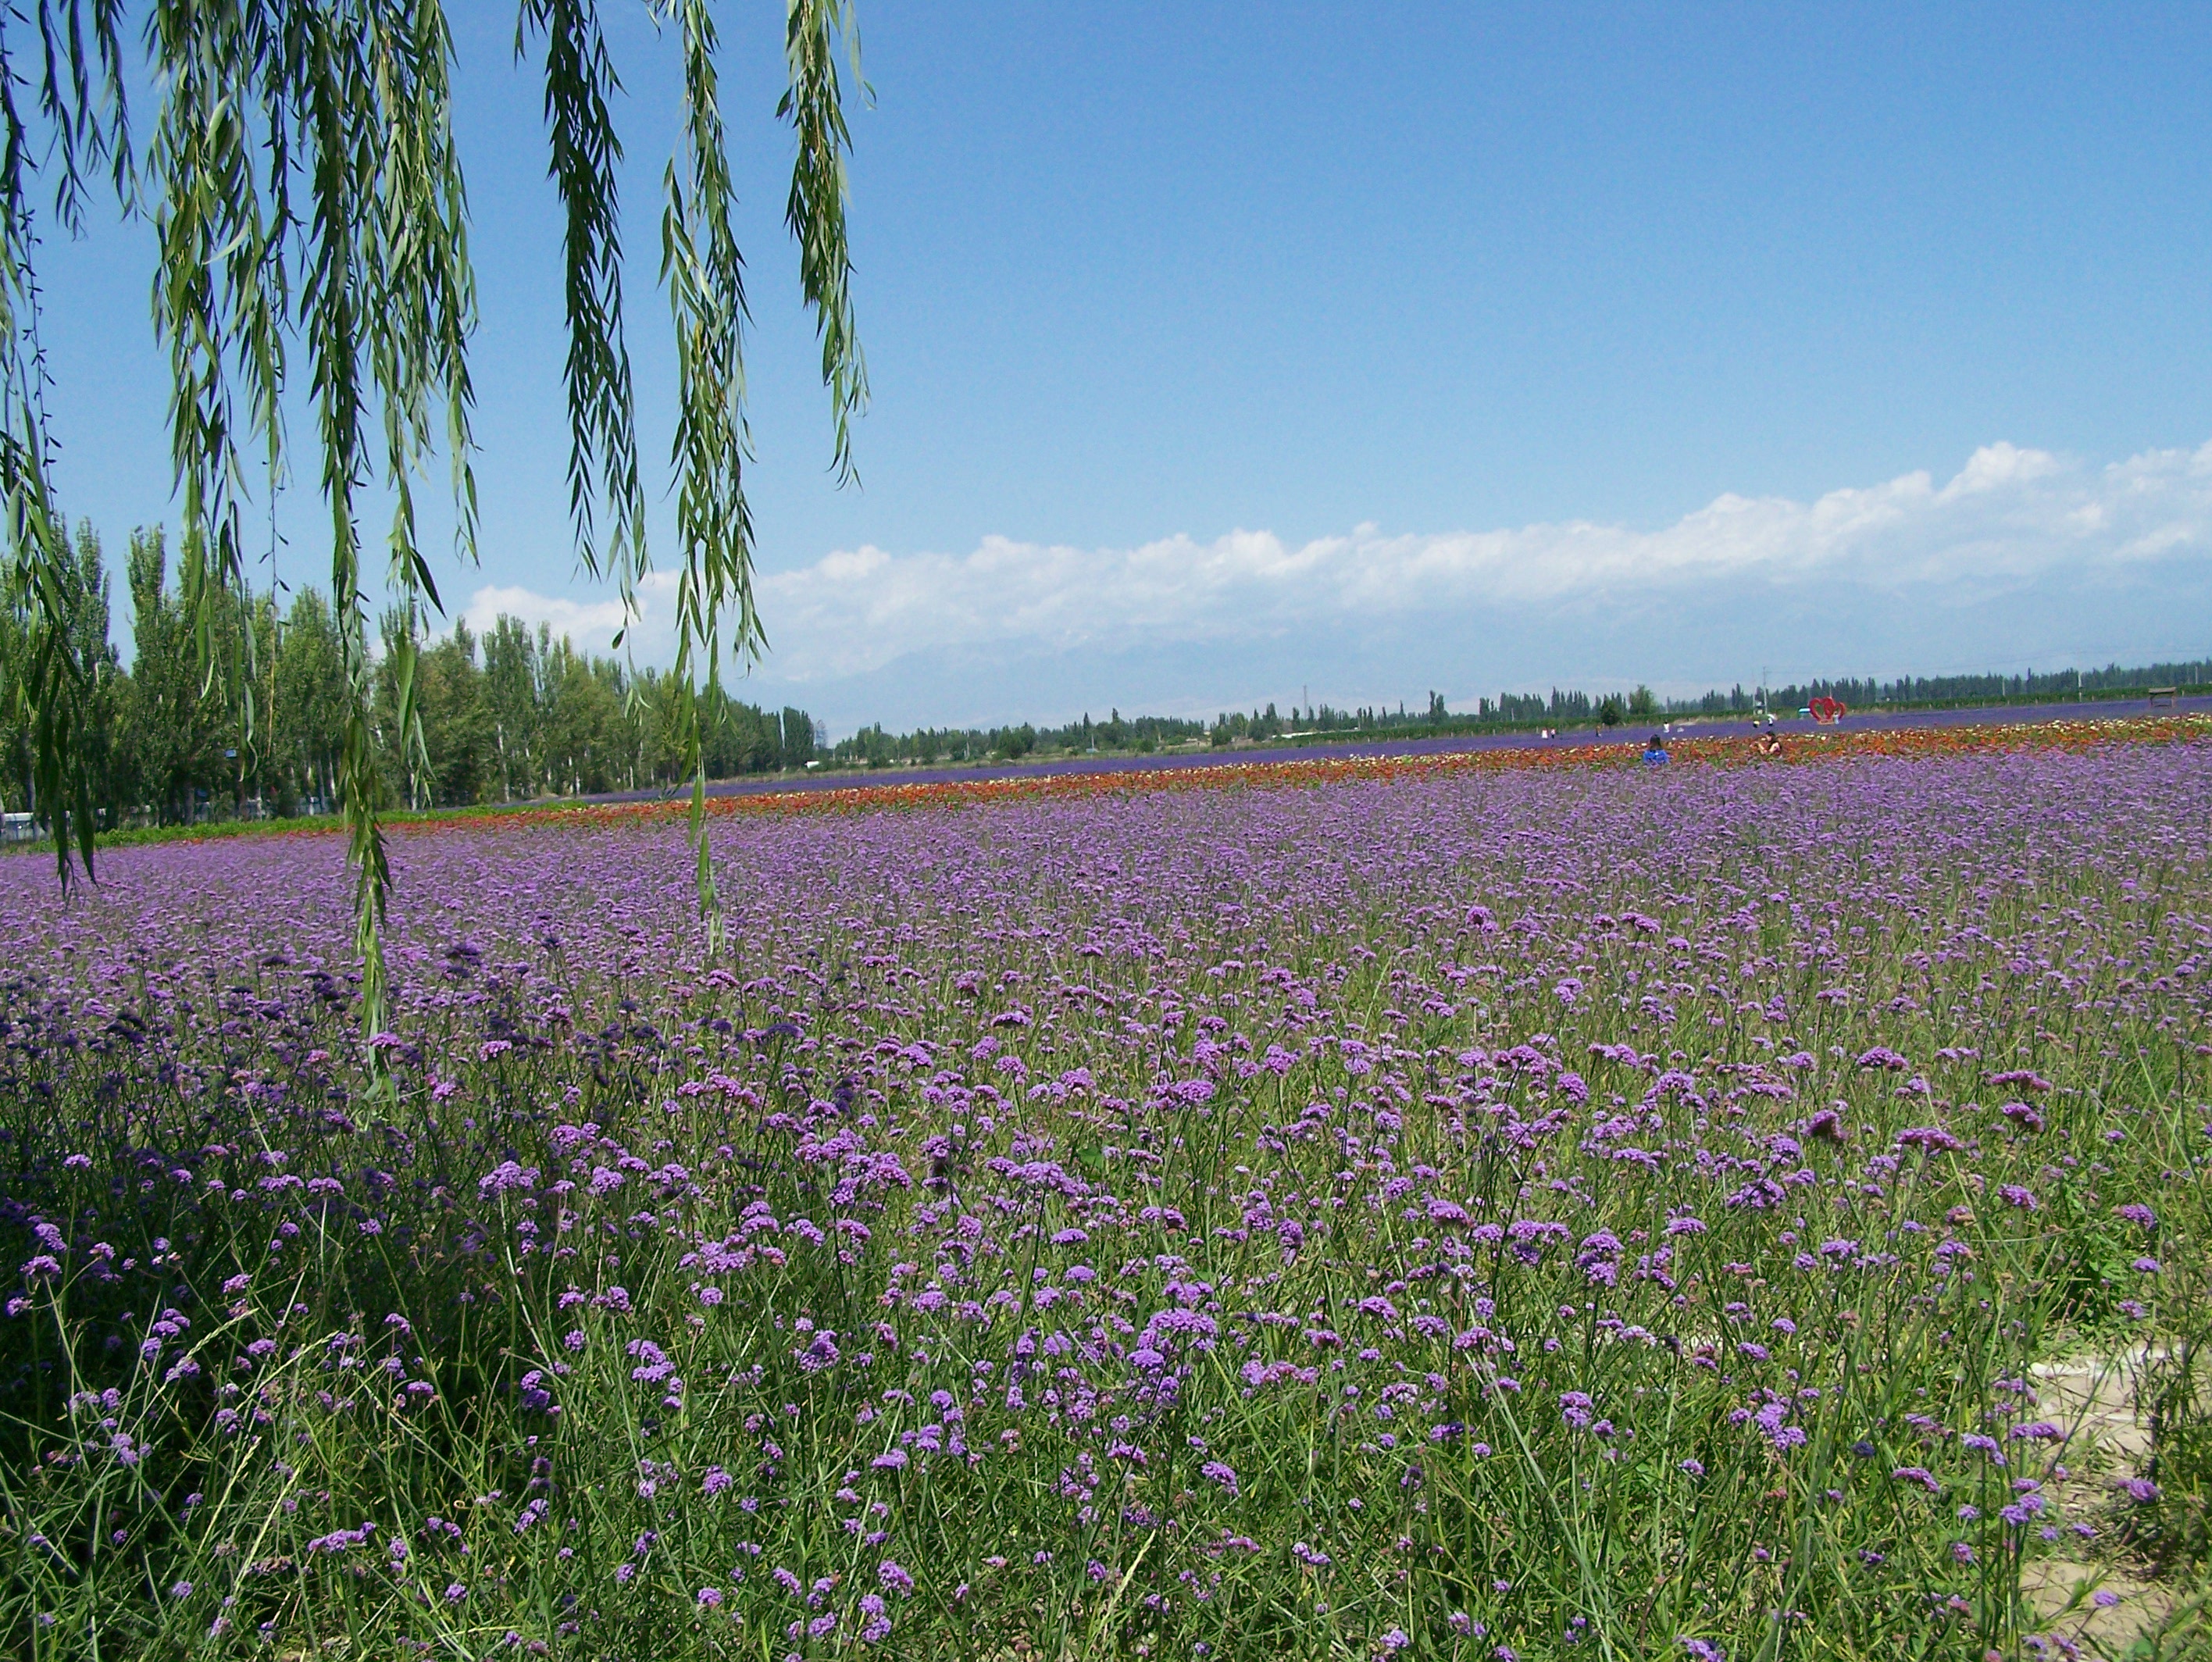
<point x="1769" y="745"/>
<point x="1655" y="753"/>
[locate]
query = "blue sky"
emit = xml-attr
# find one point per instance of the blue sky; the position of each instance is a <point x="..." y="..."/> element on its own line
<point x="1220" y="352"/>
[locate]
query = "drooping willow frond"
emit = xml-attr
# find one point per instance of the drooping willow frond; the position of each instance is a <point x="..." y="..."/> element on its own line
<point x="705" y="277"/>
<point x="815" y="210"/>
<point x="306" y="195"/>
<point x="579" y="80"/>
<point x="80" y="101"/>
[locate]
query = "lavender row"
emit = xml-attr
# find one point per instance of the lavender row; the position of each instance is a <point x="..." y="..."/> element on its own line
<point x="1506" y="1217"/>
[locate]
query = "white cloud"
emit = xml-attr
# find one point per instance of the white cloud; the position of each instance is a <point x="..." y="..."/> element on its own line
<point x="583" y="620"/>
<point x="1994" y="466"/>
<point x="2009" y="517"/>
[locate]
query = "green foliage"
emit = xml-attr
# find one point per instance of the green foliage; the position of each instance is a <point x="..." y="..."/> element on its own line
<point x="2174" y="1385"/>
<point x="505" y="718"/>
<point x="80" y="594"/>
<point x="306" y="194"/>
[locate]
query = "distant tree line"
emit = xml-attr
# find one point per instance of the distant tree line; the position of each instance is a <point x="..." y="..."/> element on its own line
<point x="872" y="746"/>
<point x="509" y="716"/>
<point x="1565" y="708"/>
<point x="1992" y="688"/>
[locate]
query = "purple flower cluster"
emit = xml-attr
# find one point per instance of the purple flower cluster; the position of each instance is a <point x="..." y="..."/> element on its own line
<point x="1223" y="1216"/>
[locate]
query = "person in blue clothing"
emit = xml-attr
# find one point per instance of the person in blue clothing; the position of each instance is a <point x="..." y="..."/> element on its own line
<point x="1655" y="753"/>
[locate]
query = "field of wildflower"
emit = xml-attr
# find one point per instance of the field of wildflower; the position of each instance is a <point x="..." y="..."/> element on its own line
<point x="1451" y="1211"/>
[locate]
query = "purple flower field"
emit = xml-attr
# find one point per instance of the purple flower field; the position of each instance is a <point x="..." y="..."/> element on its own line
<point x="1511" y="1216"/>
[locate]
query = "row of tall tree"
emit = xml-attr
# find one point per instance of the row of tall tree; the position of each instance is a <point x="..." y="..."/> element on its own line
<point x="505" y="717"/>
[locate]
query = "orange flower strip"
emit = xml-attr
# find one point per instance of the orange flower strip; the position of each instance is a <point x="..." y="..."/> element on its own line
<point x="1797" y="749"/>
